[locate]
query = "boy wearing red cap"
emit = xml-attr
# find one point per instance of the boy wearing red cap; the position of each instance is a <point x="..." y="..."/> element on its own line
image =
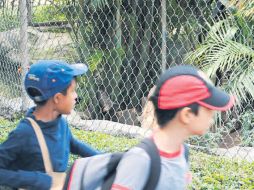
<point x="185" y="102"/>
<point x="51" y="85"/>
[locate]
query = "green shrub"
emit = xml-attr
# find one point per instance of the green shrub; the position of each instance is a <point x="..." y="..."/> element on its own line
<point x="9" y="20"/>
<point x="47" y="13"/>
<point x="247" y="129"/>
<point x="5" y="128"/>
<point x="213" y="172"/>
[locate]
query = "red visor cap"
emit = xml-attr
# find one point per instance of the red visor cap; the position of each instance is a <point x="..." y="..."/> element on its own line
<point x="181" y="91"/>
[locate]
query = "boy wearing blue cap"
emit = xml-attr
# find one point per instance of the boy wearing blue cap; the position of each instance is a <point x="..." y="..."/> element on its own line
<point x="51" y="85"/>
<point x="185" y="102"/>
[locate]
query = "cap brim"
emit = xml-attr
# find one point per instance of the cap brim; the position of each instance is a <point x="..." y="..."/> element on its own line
<point x="219" y="100"/>
<point x="79" y="69"/>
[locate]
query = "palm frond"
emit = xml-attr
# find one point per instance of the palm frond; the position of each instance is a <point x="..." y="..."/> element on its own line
<point x="233" y="57"/>
<point x="99" y="4"/>
<point x="244" y="7"/>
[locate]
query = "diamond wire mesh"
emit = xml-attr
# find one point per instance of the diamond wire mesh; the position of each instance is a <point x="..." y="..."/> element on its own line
<point x="121" y="41"/>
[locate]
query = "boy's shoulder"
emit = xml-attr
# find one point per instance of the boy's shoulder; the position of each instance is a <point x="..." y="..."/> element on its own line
<point x="136" y="156"/>
<point x="24" y="127"/>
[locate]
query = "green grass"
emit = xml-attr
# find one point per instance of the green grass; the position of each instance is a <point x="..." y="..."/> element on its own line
<point x="105" y="142"/>
<point x="209" y="172"/>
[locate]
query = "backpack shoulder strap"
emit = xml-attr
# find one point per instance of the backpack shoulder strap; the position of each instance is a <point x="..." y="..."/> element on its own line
<point x="112" y="165"/>
<point x="155" y="168"/>
<point x="42" y="144"/>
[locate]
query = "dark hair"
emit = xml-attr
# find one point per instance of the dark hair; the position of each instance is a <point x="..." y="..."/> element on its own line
<point x="35" y="92"/>
<point x="164" y="116"/>
<point x="64" y="92"/>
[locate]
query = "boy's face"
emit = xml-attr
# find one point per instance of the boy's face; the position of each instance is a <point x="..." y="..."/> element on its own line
<point x="202" y="121"/>
<point x="67" y="102"/>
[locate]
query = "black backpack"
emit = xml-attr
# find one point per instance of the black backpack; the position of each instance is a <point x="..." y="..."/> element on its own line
<point x="83" y="172"/>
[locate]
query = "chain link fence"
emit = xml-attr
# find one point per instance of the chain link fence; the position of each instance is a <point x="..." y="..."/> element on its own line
<point x="127" y="44"/>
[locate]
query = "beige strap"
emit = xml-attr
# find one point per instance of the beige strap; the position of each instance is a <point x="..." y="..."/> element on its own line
<point x="43" y="145"/>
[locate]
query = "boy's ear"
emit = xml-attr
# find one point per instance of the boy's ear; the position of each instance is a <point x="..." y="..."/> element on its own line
<point x="57" y="97"/>
<point x="186" y="115"/>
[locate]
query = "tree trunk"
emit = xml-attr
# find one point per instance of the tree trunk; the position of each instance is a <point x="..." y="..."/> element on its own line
<point x="29" y="11"/>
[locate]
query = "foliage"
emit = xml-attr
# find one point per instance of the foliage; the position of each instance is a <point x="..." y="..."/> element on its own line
<point x="215" y="173"/>
<point x="121" y="42"/>
<point x="247" y="121"/>
<point x="214" y="137"/>
<point x="247" y="131"/>
<point x="105" y="142"/>
<point x="245" y="7"/>
<point x="227" y="56"/>
<point x="46" y="13"/>
<point x="94" y="60"/>
<point x="9" y="20"/>
<point x="209" y="140"/>
<point x="5" y="128"/>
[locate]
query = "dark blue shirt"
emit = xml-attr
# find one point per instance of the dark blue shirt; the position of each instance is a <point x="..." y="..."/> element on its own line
<point x="21" y="163"/>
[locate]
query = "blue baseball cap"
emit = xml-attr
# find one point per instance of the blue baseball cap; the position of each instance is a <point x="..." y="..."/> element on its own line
<point x="51" y="76"/>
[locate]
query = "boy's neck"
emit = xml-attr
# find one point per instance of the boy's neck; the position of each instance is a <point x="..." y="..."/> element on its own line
<point x="45" y="113"/>
<point x="169" y="139"/>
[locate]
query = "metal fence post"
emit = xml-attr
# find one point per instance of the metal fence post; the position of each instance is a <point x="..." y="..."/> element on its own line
<point x="163" y="32"/>
<point x="24" y="50"/>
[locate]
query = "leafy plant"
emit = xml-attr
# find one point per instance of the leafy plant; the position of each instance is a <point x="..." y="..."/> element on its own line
<point x="121" y="41"/>
<point x="9" y="19"/>
<point x="46" y="13"/>
<point x="247" y="130"/>
<point x="245" y="7"/>
<point x="5" y="128"/>
<point x="209" y="140"/>
<point x="212" y="172"/>
<point x="227" y="56"/>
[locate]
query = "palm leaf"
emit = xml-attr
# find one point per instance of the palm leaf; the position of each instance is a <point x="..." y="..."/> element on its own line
<point x="244" y="7"/>
<point x="99" y="4"/>
<point x="225" y="52"/>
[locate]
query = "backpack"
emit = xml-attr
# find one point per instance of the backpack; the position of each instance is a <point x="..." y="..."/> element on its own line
<point x="88" y="173"/>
